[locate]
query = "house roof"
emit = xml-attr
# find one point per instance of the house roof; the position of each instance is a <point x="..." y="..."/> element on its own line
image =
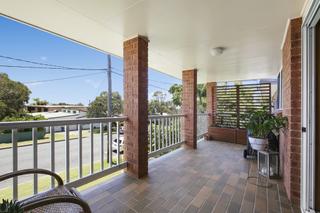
<point x="53" y="115"/>
<point x="181" y="32"/>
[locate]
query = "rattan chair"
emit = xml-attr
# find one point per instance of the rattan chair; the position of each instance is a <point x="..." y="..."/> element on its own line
<point x="58" y="199"/>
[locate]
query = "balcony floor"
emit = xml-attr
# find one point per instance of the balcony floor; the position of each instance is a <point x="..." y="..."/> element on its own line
<point x="212" y="178"/>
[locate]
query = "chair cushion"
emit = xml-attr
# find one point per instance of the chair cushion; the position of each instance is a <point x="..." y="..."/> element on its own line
<point x="57" y="207"/>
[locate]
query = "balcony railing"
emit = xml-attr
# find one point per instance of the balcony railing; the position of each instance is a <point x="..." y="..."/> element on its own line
<point x="202" y="124"/>
<point x="106" y="127"/>
<point x="164" y="133"/>
<point x="102" y="145"/>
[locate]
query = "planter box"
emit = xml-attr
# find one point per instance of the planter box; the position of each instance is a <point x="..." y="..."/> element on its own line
<point x="230" y="135"/>
<point x="21" y="136"/>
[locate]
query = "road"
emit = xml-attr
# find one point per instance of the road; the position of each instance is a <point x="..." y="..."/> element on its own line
<point x="25" y="157"/>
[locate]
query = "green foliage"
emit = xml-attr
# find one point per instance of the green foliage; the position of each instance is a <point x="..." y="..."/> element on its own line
<point x="99" y="107"/>
<point x="159" y="105"/>
<point x="7" y="206"/>
<point x="176" y="92"/>
<point x="13" y="96"/>
<point x="38" y="101"/>
<point x="261" y="123"/>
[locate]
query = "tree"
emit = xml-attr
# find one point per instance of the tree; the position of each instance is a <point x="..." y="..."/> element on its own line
<point x="99" y="107"/>
<point x="38" y="101"/>
<point x="176" y="92"/>
<point x="13" y="97"/>
<point x="159" y="105"/>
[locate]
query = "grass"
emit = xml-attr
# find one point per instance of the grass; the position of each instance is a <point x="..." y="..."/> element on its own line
<point x="44" y="182"/>
<point x="59" y="136"/>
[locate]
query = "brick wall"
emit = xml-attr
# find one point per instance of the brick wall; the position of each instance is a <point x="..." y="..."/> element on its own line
<point x="290" y="140"/>
<point x="211" y="102"/>
<point x="189" y="107"/>
<point x="136" y="105"/>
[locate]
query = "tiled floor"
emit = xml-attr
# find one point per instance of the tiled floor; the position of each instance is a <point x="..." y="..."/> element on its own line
<point x="212" y="178"/>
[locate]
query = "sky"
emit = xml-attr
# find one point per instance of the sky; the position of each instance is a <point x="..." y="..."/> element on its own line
<point x="24" y="42"/>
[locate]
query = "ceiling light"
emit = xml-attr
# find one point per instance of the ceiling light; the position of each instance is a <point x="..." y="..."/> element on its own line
<point x="216" y="51"/>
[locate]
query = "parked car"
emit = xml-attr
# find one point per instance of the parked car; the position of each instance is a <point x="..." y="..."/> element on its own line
<point x="121" y="130"/>
<point x="115" y="145"/>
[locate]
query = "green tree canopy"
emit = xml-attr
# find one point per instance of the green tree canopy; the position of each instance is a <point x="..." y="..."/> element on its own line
<point x="13" y="96"/>
<point x="99" y="107"/>
<point x="176" y="92"/>
<point x="159" y="105"/>
<point x="38" y="101"/>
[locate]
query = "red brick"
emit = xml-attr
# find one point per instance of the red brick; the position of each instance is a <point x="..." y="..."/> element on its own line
<point x="290" y="139"/>
<point x="136" y="105"/>
<point x="189" y="107"/>
<point x="211" y="102"/>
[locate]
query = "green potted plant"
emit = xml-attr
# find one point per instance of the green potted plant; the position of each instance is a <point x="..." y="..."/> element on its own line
<point x="10" y="206"/>
<point x="259" y="124"/>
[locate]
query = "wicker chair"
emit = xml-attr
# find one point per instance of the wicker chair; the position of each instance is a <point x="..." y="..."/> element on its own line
<point x="58" y="199"/>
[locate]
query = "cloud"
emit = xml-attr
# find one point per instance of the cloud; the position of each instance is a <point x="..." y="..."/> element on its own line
<point x="43" y="58"/>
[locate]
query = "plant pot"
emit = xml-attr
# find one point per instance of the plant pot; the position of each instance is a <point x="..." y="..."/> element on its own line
<point x="258" y="144"/>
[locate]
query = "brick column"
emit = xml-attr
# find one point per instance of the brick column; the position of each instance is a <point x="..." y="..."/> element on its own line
<point x="189" y="107"/>
<point x="290" y="140"/>
<point x="136" y="105"/>
<point x="211" y="102"/>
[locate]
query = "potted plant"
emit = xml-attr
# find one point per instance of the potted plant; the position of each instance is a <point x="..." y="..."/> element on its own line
<point x="10" y="206"/>
<point x="259" y="124"/>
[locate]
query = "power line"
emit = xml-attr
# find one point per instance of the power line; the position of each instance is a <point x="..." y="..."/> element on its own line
<point x="151" y="85"/>
<point x="59" y="79"/>
<point x="160" y="82"/>
<point x="51" y="68"/>
<point x="44" y="64"/>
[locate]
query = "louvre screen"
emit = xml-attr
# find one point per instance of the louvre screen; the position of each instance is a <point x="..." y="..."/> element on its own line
<point x="234" y="102"/>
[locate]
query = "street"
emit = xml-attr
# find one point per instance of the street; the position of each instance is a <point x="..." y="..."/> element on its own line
<point x="25" y="157"/>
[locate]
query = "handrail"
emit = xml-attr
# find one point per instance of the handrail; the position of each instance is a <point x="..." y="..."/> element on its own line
<point x="46" y="123"/>
<point x="166" y="116"/>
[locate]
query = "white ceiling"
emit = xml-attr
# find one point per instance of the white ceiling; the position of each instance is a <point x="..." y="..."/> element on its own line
<point x="181" y="32"/>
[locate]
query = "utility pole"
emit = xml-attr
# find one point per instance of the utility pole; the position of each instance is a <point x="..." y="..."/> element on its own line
<point x="109" y="150"/>
<point x="109" y="88"/>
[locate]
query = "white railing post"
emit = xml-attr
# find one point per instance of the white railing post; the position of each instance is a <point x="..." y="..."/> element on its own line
<point x="91" y="150"/>
<point x="101" y="147"/>
<point x="52" y="153"/>
<point x="118" y="143"/>
<point x="14" y="163"/>
<point x="67" y="154"/>
<point x="35" y="158"/>
<point x="110" y="143"/>
<point x="80" y="150"/>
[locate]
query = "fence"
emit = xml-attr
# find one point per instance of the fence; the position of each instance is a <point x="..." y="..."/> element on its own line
<point x="106" y="142"/>
<point x="164" y="133"/>
<point x="105" y="135"/>
<point x="234" y="102"/>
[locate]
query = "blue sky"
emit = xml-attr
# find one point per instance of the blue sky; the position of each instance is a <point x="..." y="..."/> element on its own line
<point x="21" y="41"/>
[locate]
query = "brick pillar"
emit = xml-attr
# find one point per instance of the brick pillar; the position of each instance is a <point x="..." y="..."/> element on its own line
<point x="189" y="107"/>
<point x="136" y="105"/>
<point x="290" y="139"/>
<point x="211" y="102"/>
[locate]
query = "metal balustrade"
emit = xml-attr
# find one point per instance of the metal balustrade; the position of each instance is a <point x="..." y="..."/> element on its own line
<point x="164" y="133"/>
<point x="202" y="124"/>
<point x="104" y="124"/>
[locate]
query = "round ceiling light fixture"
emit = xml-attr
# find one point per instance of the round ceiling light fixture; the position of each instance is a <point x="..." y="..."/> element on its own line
<point x="216" y="51"/>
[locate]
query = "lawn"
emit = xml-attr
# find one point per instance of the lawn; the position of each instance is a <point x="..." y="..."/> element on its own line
<point x="26" y="188"/>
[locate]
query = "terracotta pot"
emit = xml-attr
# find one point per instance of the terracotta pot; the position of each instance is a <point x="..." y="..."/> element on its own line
<point x="258" y="144"/>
